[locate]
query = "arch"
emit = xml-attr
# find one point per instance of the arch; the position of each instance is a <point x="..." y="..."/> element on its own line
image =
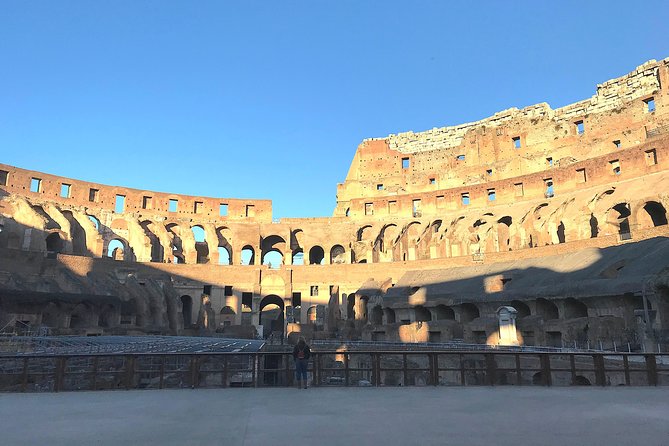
<point x="547" y="309"/>
<point x="272" y="248"/>
<point x="389" y="315"/>
<point x="157" y="253"/>
<point x="521" y="307"/>
<point x="95" y="221"/>
<point x="468" y="312"/>
<point x="106" y="318"/>
<point x="116" y="249"/>
<point x="273" y="258"/>
<point x="376" y="316"/>
<point x="363" y="304"/>
<point x="248" y="255"/>
<point x="594" y="229"/>
<point x="350" y="306"/>
<point x="298" y="257"/>
<point x="621" y="220"/>
<point x="272" y="320"/>
<point x="312" y="315"/>
<point x="201" y="245"/>
<point x="54" y="243"/>
<point x="364" y="233"/>
<point x="80" y="316"/>
<point x="199" y="234"/>
<point x="224" y="247"/>
<point x="77" y="234"/>
<point x="227" y="316"/>
<point x="176" y="246"/>
<point x="655" y="215"/>
<point x="187" y="310"/>
<point x="316" y="255"/>
<point x="422" y="314"/>
<point x="224" y="256"/>
<point x="561" y="233"/>
<point x="443" y="312"/>
<point x="574" y="308"/>
<point x="337" y="254"/>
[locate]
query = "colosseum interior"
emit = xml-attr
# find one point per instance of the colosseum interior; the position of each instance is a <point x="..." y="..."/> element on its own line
<point x="559" y="213"/>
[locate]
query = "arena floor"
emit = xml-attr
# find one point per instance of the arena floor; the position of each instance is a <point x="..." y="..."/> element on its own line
<point x="341" y="416"/>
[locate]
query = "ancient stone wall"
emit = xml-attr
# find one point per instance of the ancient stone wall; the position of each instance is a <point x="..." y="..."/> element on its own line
<point x="385" y="265"/>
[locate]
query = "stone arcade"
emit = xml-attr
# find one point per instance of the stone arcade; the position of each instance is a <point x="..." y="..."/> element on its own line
<point x="560" y="214"/>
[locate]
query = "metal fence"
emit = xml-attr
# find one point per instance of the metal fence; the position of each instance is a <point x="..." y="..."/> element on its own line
<point x="54" y="373"/>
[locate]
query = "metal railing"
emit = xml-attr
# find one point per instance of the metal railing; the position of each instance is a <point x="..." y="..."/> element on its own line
<point x="39" y="373"/>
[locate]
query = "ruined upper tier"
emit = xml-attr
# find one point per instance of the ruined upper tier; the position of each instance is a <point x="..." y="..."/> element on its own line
<point x="410" y="166"/>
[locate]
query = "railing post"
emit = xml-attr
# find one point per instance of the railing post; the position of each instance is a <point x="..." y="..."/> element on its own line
<point x="60" y="374"/>
<point x="286" y="358"/>
<point x="405" y="369"/>
<point x="651" y="368"/>
<point x="490" y="369"/>
<point x="626" y="366"/>
<point x="129" y="371"/>
<point x="346" y="371"/>
<point x="255" y="369"/>
<point x="545" y="361"/>
<point x="162" y="372"/>
<point x="225" y="370"/>
<point x="24" y="376"/>
<point x="376" y="361"/>
<point x="316" y="375"/>
<point x="434" y="368"/>
<point x="94" y="374"/>
<point x="600" y="371"/>
<point x="519" y="373"/>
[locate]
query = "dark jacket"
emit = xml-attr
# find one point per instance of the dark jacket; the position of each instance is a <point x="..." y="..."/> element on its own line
<point x="305" y="349"/>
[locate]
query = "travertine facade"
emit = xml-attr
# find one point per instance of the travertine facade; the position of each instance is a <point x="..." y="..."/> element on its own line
<point x="558" y="213"/>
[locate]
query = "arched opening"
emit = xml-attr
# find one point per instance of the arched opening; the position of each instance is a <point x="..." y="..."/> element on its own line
<point x="560" y="233"/>
<point x="655" y="215"/>
<point x="521" y="307"/>
<point x="224" y="257"/>
<point x="80" y="317"/>
<point x="422" y="314"/>
<point x="594" y="229"/>
<point x="95" y="222"/>
<point x="106" y="318"/>
<point x="389" y="314"/>
<point x="298" y="257"/>
<point x="376" y="317"/>
<point x="364" y="233"/>
<point x="177" y="252"/>
<point x="574" y="308"/>
<point x="224" y="246"/>
<point x="54" y="244"/>
<point x="316" y="255"/>
<point x="622" y="219"/>
<point x="547" y="309"/>
<point x="580" y="380"/>
<point x="274" y="258"/>
<point x="116" y="249"/>
<point x="350" y="306"/>
<point x="248" y="256"/>
<point x="443" y="312"/>
<point x="468" y="312"/>
<point x="156" y="247"/>
<point x="227" y="316"/>
<point x="187" y="310"/>
<point x="201" y="245"/>
<point x="504" y="233"/>
<point x="77" y="234"/>
<point x="364" y="301"/>
<point x="271" y="315"/>
<point x="312" y="315"/>
<point x="272" y="248"/>
<point x="337" y="254"/>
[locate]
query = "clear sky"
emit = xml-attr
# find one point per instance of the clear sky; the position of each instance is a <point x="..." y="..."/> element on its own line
<point x="269" y="99"/>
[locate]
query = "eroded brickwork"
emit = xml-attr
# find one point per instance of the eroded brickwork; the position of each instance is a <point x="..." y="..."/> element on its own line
<point x="558" y="213"/>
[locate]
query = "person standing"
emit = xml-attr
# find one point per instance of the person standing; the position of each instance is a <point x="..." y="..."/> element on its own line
<point x="301" y="355"/>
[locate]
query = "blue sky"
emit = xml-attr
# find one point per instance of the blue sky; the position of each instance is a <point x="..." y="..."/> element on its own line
<point x="269" y="99"/>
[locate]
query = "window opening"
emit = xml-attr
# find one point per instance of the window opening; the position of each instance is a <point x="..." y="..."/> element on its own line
<point x="548" y="182"/>
<point x="223" y="210"/>
<point x="651" y="157"/>
<point x="35" y="185"/>
<point x="173" y="205"/>
<point x="465" y="198"/>
<point x="3" y="177"/>
<point x="147" y="202"/>
<point x="580" y="129"/>
<point x="518" y="189"/>
<point x="650" y="104"/>
<point x="617" y="143"/>
<point x="615" y="166"/>
<point x="250" y="210"/>
<point x="581" y="176"/>
<point x="65" y="190"/>
<point x="491" y="195"/>
<point x="516" y="142"/>
<point x="93" y="195"/>
<point x="405" y="163"/>
<point x="119" y="206"/>
<point x="369" y="208"/>
<point x="379" y="187"/>
<point x="314" y="290"/>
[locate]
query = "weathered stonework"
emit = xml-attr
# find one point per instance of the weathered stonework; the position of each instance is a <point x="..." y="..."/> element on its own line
<point x="560" y="214"/>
